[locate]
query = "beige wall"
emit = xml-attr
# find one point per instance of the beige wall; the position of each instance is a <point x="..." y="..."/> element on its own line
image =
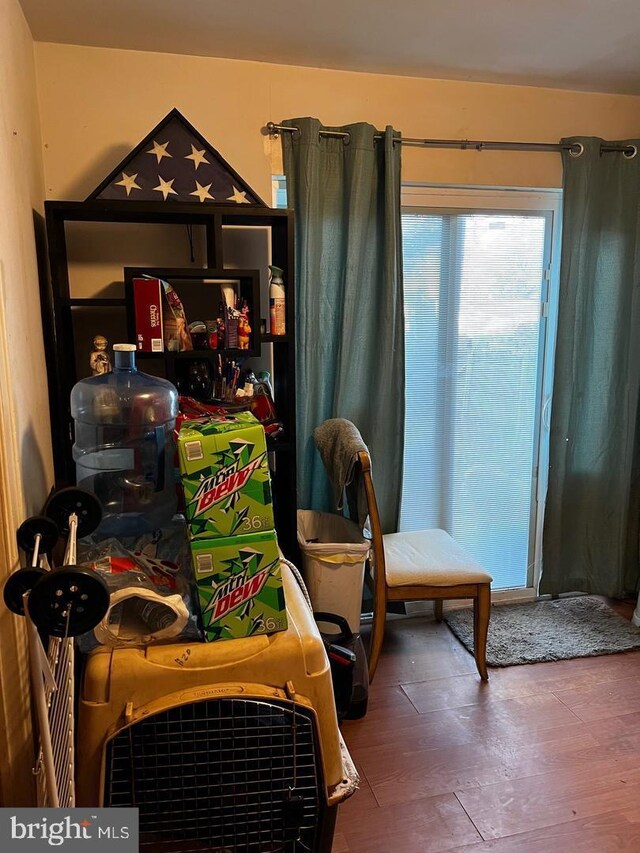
<point x="25" y="449"/>
<point x="97" y="103"/>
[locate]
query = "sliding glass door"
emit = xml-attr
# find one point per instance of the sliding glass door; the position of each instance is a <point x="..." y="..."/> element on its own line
<point x="478" y="341"/>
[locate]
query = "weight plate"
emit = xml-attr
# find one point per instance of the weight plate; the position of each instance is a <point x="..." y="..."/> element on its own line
<point x="73" y="499"/>
<point x="69" y="601"/>
<point x="21" y="581"/>
<point x="29" y="529"/>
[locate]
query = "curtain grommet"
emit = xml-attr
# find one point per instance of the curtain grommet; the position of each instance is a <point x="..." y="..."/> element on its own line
<point x="630" y="152"/>
<point x="576" y="150"/>
<point x="346" y="140"/>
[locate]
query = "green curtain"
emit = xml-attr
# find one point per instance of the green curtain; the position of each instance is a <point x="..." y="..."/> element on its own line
<point x="592" y="509"/>
<point x="349" y="305"/>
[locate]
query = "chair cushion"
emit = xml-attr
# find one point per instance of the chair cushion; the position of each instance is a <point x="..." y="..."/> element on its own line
<point x="429" y="558"/>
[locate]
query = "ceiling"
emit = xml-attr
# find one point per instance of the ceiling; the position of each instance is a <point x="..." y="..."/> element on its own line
<point x="591" y="45"/>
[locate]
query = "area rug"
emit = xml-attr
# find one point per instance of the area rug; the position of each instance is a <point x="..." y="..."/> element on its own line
<point x="548" y="630"/>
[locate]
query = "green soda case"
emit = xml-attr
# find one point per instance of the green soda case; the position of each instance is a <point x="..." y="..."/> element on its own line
<point x="225" y="475"/>
<point x="239" y="585"/>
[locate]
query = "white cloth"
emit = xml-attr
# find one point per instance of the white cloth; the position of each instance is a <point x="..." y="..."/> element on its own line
<point x="128" y="628"/>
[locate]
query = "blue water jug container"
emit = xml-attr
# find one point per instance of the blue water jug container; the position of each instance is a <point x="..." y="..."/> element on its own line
<point x="124" y="445"/>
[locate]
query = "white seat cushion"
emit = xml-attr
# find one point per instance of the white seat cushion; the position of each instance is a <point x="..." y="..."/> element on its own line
<point x="429" y="558"/>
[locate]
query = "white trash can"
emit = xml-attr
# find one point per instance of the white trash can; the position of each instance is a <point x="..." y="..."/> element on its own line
<point x="334" y="554"/>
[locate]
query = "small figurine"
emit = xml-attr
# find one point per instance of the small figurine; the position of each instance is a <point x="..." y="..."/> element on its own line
<point x="220" y="327"/>
<point x="244" y="329"/>
<point x="99" y="360"/>
<point x="231" y="329"/>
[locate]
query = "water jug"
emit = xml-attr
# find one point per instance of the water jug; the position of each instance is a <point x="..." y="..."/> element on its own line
<point x="124" y="446"/>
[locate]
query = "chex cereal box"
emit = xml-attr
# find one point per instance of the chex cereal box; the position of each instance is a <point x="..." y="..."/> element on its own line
<point x="147" y="300"/>
<point x="225" y="475"/>
<point x="239" y="585"/>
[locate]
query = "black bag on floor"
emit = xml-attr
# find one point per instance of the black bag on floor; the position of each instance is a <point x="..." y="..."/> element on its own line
<point x="348" y="661"/>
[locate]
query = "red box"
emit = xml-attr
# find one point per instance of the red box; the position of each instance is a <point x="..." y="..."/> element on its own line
<point x="147" y="298"/>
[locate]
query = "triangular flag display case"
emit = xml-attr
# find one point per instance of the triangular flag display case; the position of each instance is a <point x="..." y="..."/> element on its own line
<point x="174" y="177"/>
<point x="175" y="163"/>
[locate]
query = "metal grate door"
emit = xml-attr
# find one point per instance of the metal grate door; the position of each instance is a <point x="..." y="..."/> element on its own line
<point x="219" y="775"/>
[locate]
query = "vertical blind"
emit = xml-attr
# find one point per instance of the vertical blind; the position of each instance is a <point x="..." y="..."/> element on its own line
<point x="473" y="283"/>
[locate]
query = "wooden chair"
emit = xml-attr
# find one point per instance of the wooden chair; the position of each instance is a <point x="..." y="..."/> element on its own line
<point x="423" y="565"/>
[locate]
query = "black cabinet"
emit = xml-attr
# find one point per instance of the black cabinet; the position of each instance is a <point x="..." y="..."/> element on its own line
<point x="70" y="321"/>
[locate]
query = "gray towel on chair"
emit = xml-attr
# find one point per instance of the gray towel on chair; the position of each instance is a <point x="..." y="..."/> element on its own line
<point x="339" y="443"/>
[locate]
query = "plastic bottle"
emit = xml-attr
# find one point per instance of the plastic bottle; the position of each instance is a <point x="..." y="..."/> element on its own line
<point x="124" y="446"/>
<point x="264" y="378"/>
<point x="277" y="311"/>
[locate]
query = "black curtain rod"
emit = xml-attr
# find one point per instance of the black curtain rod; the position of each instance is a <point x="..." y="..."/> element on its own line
<point x="575" y="149"/>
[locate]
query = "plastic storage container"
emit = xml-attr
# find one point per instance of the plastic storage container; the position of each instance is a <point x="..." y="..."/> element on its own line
<point x="334" y="554"/>
<point x="124" y="447"/>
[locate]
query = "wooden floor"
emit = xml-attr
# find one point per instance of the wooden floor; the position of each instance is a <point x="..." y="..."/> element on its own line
<point x="543" y="758"/>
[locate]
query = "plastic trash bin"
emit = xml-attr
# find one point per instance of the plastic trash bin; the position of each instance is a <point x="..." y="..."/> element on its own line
<point x="334" y="554"/>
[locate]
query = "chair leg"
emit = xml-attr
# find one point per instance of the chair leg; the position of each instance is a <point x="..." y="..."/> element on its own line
<point x="377" y="636"/>
<point x="437" y="609"/>
<point x="481" y="615"/>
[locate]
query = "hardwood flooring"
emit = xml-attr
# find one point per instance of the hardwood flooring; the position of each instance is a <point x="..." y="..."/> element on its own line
<point x="545" y="758"/>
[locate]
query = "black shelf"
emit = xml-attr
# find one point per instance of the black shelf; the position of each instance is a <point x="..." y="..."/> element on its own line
<point x="66" y="353"/>
<point x="92" y="302"/>
<point x="212" y="353"/>
<point x="199" y="284"/>
<point x="275" y="339"/>
<point x="199" y="353"/>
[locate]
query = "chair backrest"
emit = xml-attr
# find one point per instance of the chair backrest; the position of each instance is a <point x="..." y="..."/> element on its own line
<point x="380" y="583"/>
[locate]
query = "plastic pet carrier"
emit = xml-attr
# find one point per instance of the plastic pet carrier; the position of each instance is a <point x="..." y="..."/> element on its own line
<point x="227" y="746"/>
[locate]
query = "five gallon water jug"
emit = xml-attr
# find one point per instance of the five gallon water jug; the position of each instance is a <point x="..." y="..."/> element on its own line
<point x="124" y="448"/>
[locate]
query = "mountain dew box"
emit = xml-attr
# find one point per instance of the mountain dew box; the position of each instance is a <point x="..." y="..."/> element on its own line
<point x="225" y="475"/>
<point x="239" y="585"/>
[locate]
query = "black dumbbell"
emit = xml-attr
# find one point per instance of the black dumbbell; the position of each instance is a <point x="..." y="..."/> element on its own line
<point x="37" y="535"/>
<point x="72" y="599"/>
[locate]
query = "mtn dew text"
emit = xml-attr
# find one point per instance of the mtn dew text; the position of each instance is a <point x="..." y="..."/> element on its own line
<point x="225" y="475"/>
<point x="239" y="585"/>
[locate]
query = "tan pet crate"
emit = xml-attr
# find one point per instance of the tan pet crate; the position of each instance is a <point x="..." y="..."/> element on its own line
<point x="226" y="746"/>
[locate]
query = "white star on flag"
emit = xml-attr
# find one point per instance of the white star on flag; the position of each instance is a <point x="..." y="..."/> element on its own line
<point x="165" y="187"/>
<point x="202" y="192"/>
<point x="197" y="156"/>
<point x="129" y="182"/>
<point x="159" y="150"/>
<point x="238" y="196"/>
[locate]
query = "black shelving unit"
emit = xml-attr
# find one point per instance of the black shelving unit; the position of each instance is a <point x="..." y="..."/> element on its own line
<point x="58" y="306"/>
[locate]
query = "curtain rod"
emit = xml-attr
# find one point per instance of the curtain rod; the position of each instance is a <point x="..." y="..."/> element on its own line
<point x="576" y="149"/>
